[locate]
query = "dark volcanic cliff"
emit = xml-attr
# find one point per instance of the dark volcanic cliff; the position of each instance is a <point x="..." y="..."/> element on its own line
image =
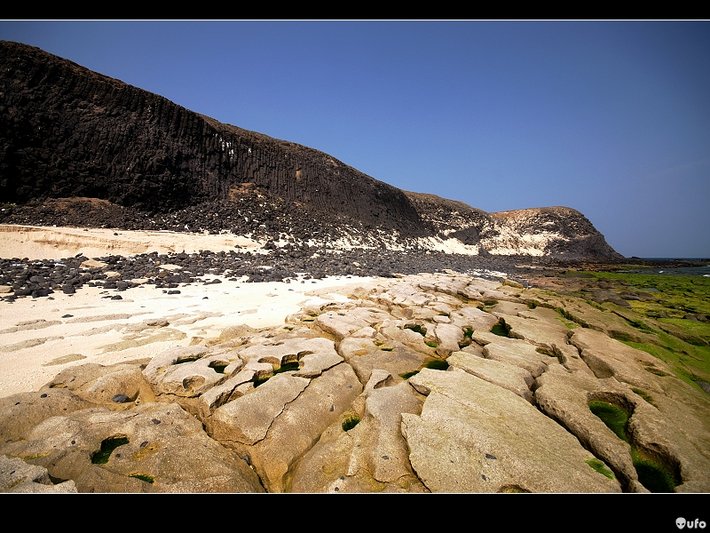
<point x="67" y="131"/>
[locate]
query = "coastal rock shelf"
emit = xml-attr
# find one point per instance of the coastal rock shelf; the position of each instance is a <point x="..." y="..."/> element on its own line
<point x="421" y="383"/>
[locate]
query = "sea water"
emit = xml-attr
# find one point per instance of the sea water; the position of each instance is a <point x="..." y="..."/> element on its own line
<point x="675" y="267"/>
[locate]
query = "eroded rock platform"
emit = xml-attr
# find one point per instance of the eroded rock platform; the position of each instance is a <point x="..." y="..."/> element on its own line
<point x="425" y="383"/>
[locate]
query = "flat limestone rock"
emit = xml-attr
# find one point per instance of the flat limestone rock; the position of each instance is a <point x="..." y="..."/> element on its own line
<point x="517" y="353"/>
<point x="539" y="326"/>
<point x="668" y="428"/>
<point x="300" y="425"/>
<point x="365" y="356"/>
<point x="607" y="357"/>
<point x="20" y="413"/>
<point x="186" y="371"/>
<point x="19" y="476"/>
<point x="400" y="332"/>
<point x="247" y="419"/>
<point x="372" y="456"/>
<point x="473" y="436"/>
<point x="155" y="448"/>
<point x="449" y="336"/>
<point x="105" y="384"/>
<point x="565" y="396"/>
<point x="513" y="378"/>
<point x="343" y="323"/>
<point x="233" y="388"/>
<point x="313" y="354"/>
<point x="473" y="317"/>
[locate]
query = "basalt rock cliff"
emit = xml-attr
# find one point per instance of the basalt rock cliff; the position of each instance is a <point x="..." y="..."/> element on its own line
<point x="68" y="132"/>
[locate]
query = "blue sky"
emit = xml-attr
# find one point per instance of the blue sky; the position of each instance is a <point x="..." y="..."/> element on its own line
<point x="611" y="118"/>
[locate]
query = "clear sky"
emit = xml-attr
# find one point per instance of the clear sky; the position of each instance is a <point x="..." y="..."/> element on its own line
<point x="611" y="118"/>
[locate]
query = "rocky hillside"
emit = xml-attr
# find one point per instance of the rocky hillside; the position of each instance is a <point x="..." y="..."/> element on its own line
<point x="558" y="232"/>
<point x="68" y="132"/>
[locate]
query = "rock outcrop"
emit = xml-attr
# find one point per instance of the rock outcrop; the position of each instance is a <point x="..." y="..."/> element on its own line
<point x="559" y="232"/>
<point x="81" y="148"/>
<point x="426" y="383"/>
<point x="67" y="131"/>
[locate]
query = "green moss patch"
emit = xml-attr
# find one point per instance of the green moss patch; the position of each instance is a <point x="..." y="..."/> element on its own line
<point x="350" y="421"/>
<point x="436" y="364"/>
<point x="286" y="367"/>
<point x="101" y="456"/>
<point x="432" y="344"/>
<point x="417" y="328"/>
<point x="143" y="477"/>
<point x="615" y="417"/>
<point x="669" y="314"/>
<point x="653" y="474"/>
<point x="600" y="467"/>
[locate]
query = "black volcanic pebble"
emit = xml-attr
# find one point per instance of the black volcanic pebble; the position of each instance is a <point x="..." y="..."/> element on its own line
<point x="67" y="276"/>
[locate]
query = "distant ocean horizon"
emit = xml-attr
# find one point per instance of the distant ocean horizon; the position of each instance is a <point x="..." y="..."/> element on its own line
<point x="676" y="266"/>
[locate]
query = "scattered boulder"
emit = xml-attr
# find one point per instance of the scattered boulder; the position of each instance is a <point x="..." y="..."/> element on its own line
<point x="93" y="264"/>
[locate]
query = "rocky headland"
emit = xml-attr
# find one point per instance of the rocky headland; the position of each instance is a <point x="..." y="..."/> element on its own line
<point x="187" y="306"/>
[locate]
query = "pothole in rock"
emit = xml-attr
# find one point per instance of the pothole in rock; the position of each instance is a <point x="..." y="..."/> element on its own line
<point x="417" y="328"/>
<point x="501" y="329"/>
<point x="285" y="366"/>
<point x="350" y="421"/>
<point x="218" y="366"/>
<point x="656" y="471"/>
<point x="434" y="364"/>
<point x="614" y="416"/>
<point x="102" y="455"/>
<point x="467" y="337"/>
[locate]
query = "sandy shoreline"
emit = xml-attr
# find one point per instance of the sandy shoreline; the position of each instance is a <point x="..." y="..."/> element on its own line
<point x="41" y="337"/>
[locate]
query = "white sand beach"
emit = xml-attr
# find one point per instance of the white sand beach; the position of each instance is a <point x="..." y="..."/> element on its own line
<point x="42" y="242"/>
<point x="40" y="337"/>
